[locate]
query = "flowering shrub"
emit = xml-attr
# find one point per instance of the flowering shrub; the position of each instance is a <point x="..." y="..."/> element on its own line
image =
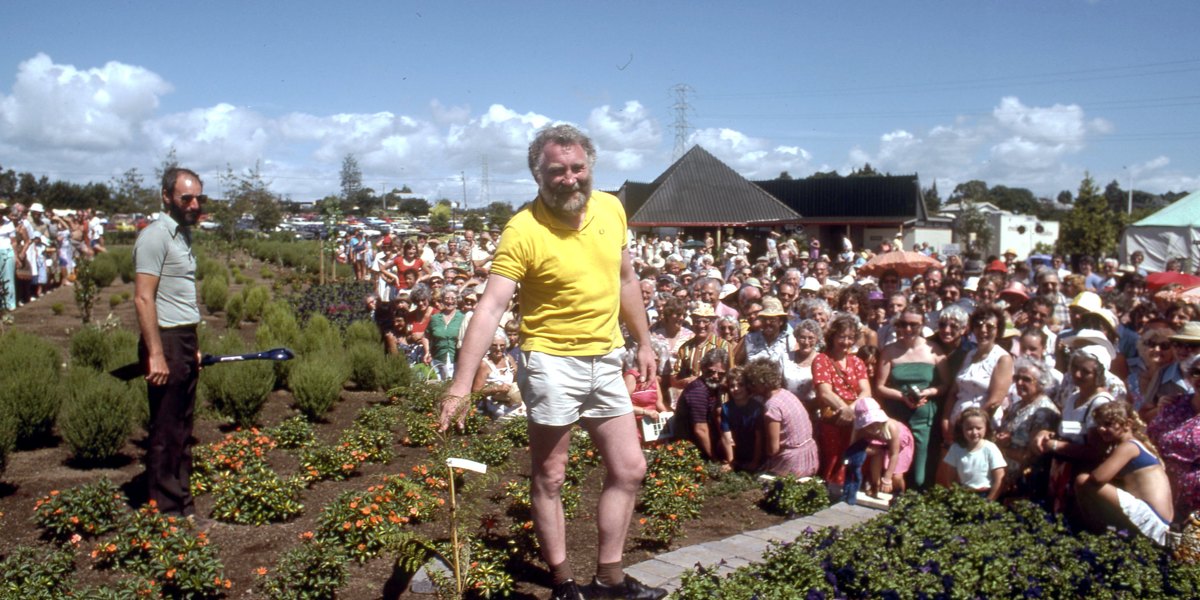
<point x="341" y="303"/>
<point x="422" y="428"/>
<point x="430" y="477"/>
<point x="517" y="431"/>
<point x="365" y="523"/>
<point x="490" y="449"/>
<point x="314" y="571"/>
<point x="373" y="444"/>
<point x="235" y="452"/>
<point x="791" y="497"/>
<point x="84" y="511"/>
<point x="293" y="432"/>
<point x="953" y="544"/>
<point x="256" y="496"/>
<point x="165" y="550"/>
<point x="321" y="462"/>
<point x="673" y="490"/>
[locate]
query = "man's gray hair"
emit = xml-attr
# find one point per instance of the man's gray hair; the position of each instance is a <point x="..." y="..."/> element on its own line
<point x="563" y="135"/>
<point x="714" y="356"/>
<point x="955" y="313"/>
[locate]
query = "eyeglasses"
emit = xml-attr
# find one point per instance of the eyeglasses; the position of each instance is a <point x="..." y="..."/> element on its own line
<point x="1158" y="345"/>
<point x="1186" y="346"/>
<point x="199" y="198"/>
<point x="908" y="324"/>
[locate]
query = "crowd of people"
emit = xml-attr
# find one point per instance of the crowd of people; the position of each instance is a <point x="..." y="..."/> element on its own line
<point x="990" y="377"/>
<point x="38" y="249"/>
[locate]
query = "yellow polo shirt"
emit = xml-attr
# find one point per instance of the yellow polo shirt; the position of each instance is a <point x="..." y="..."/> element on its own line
<point x="570" y="279"/>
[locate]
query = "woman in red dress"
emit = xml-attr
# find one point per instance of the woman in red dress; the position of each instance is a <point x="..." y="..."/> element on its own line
<point x="840" y="378"/>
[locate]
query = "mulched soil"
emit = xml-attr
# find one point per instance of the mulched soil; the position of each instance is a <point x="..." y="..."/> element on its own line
<point x="33" y="473"/>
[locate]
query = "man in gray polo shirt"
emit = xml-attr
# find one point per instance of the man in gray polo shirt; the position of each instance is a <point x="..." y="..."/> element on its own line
<point x="165" y="298"/>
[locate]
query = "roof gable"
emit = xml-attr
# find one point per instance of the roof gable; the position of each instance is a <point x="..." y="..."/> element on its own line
<point x="699" y="189"/>
<point x="1184" y="211"/>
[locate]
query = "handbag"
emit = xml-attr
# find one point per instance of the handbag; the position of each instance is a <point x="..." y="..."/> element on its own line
<point x="827" y="414"/>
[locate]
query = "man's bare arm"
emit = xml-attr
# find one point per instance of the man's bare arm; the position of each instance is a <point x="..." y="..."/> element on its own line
<point x="482" y="328"/>
<point x="633" y="313"/>
<point x="145" y="288"/>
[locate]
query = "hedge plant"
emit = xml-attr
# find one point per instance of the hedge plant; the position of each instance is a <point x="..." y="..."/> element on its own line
<point x="104" y="269"/>
<point x="96" y="417"/>
<point x="29" y="390"/>
<point x="214" y="292"/>
<point x="316" y="383"/>
<point x="238" y="390"/>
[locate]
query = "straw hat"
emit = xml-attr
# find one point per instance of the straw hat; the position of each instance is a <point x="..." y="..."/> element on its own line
<point x="703" y="309"/>
<point x="1088" y="301"/>
<point x="1190" y="333"/>
<point x="772" y="307"/>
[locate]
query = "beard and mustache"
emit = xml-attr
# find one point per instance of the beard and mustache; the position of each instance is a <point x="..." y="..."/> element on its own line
<point x="567" y="200"/>
<point x="184" y="216"/>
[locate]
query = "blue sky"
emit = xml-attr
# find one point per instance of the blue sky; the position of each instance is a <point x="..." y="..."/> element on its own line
<point x="1024" y="94"/>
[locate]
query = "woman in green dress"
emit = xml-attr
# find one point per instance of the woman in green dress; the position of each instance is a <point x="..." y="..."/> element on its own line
<point x="906" y="385"/>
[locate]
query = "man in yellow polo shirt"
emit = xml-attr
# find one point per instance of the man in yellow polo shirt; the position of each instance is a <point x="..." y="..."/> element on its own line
<point x="567" y="252"/>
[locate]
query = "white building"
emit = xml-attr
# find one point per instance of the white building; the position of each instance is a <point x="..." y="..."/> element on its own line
<point x="1019" y="232"/>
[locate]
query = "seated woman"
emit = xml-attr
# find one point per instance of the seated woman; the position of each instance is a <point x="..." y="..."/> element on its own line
<point x="788" y="445"/>
<point x="1030" y="414"/>
<point x="398" y="340"/>
<point x="1130" y="488"/>
<point x="496" y="379"/>
<point x="647" y="396"/>
<point x="741" y="420"/>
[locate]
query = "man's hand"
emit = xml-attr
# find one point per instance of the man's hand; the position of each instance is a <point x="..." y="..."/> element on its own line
<point x="158" y="370"/>
<point x="647" y="363"/>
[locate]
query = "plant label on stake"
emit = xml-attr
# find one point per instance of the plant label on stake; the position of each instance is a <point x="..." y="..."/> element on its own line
<point x="468" y="465"/>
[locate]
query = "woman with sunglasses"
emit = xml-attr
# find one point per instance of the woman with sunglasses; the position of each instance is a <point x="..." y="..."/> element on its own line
<point x="1175" y="430"/>
<point x="1031" y="413"/>
<point x="905" y="385"/>
<point x="1162" y="377"/>
<point x="986" y="372"/>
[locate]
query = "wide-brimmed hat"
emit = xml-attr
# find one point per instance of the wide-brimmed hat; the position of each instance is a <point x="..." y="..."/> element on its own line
<point x="1091" y="337"/>
<point x="1015" y="288"/>
<point x="867" y="412"/>
<point x="1190" y="333"/>
<point x="753" y="282"/>
<point x="714" y="274"/>
<point x="1099" y="353"/>
<point x="998" y="266"/>
<point x="1088" y="301"/>
<point x="1012" y="251"/>
<point x="811" y="285"/>
<point x="37" y="207"/>
<point x="772" y="307"/>
<point x="703" y="309"/>
<point x="728" y="290"/>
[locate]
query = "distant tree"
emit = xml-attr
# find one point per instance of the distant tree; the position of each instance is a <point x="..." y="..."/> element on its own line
<point x="170" y="161"/>
<point x="933" y="200"/>
<point x="439" y="216"/>
<point x="974" y="191"/>
<point x="30" y="188"/>
<point x="1017" y="200"/>
<point x="252" y="195"/>
<point x="1091" y="227"/>
<point x="351" y="176"/>
<point x="417" y="207"/>
<point x="498" y="214"/>
<point x="131" y="195"/>
<point x="866" y="171"/>
<point x="473" y="221"/>
<point x="825" y="175"/>
<point x="785" y="176"/>
<point x="405" y="190"/>
<point x="970" y="221"/>
<point x="1065" y="197"/>
<point x="8" y="183"/>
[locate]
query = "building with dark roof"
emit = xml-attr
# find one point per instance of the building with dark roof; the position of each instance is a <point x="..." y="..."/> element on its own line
<point x="699" y="193"/>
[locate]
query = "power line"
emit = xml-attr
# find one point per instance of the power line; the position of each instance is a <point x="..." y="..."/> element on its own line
<point x="681" y="125"/>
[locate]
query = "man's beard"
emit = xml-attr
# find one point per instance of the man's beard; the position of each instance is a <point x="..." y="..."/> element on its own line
<point x="713" y="385"/>
<point x="184" y="216"/>
<point x="565" y="201"/>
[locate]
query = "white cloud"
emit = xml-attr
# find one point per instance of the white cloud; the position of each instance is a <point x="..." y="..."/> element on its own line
<point x="754" y="158"/>
<point x="61" y="107"/>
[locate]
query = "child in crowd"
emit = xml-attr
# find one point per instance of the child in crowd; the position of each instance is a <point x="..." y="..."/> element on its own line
<point x="1130" y="487"/>
<point x="741" y="420"/>
<point x="646" y="395"/>
<point x="889" y="447"/>
<point x="870" y="357"/>
<point x="973" y="461"/>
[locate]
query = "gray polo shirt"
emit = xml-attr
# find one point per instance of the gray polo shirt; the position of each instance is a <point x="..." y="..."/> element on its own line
<point x="164" y="249"/>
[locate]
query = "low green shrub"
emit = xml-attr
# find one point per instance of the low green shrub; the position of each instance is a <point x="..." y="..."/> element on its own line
<point x="254" y="302"/>
<point x="278" y="329"/>
<point x="102" y="349"/>
<point x="58" y="309"/>
<point x="363" y="331"/>
<point x="238" y="390"/>
<point x="316" y="383"/>
<point x="104" y="269"/>
<point x="36" y="573"/>
<point x="517" y="431"/>
<point x="366" y="364"/>
<point x="791" y="497"/>
<point x="8" y="434"/>
<point x="207" y="268"/>
<point x="96" y="417"/>
<point x="30" y="391"/>
<point x="80" y="512"/>
<point x="396" y="373"/>
<point x="234" y="312"/>
<point x="115" y="300"/>
<point x="123" y="257"/>
<point x="214" y="293"/>
<point x="313" y="571"/>
<point x="319" y="337"/>
<point x="293" y="432"/>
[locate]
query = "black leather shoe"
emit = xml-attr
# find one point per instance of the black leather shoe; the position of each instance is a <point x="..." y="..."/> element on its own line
<point x="630" y="589"/>
<point x="566" y="590"/>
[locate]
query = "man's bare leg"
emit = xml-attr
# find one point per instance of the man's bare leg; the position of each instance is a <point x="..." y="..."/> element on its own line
<point x="548" y="457"/>
<point x="616" y="439"/>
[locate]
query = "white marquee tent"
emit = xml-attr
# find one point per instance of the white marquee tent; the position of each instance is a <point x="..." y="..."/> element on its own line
<point x="1173" y="232"/>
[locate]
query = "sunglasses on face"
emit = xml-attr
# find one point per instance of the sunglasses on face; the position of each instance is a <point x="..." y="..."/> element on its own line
<point x="199" y="198"/>
<point x="908" y="324"/>
<point x="1158" y="345"/>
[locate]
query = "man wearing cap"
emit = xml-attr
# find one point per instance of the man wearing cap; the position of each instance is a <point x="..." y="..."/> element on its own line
<point x="167" y="312"/>
<point x="567" y="250"/>
<point x="686" y="365"/>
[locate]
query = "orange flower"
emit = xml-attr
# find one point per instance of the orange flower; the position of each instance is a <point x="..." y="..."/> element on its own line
<point x="262" y="571"/>
<point x="170" y="574"/>
<point x="307" y="535"/>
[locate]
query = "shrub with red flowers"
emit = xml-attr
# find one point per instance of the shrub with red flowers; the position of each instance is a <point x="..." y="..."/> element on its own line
<point x="365" y="523"/>
<point x="84" y="511"/>
<point x="166" y="550"/>
<point x="321" y="462"/>
<point x="256" y="496"/>
<point x="313" y="571"/>
<point x="234" y="453"/>
<point x="673" y="490"/>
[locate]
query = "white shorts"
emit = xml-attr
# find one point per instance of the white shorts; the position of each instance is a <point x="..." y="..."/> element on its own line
<point x="559" y="390"/>
<point x="1143" y="517"/>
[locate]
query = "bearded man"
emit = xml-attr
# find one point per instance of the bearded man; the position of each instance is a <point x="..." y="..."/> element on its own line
<point x="696" y="416"/>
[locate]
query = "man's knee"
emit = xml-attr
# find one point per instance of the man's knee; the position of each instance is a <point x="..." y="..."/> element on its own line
<point x="548" y="481"/>
<point x="629" y="472"/>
